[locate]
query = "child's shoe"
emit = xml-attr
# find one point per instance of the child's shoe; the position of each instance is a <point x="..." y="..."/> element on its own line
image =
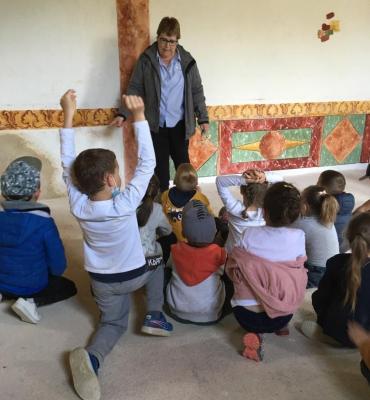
<point x="85" y="380"/>
<point x="26" y="309"/>
<point x="253" y="343"/>
<point x="156" y="324"/>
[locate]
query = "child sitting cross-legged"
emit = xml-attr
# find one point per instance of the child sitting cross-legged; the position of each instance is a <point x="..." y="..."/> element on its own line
<point x="344" y="290"/>
<point x="32" y="258"/>
<point x="113" y="254"/>
<point x="319" y="210"/>
<point x="196" y="291"/>
<point x="267" y="270"/>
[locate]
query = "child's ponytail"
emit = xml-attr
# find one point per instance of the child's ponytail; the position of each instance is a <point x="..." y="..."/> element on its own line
<point x="320" y="204"/>
<point x="358" y="235"/>
<point x="146" y="207"/>
<point x="329" y="209"/>
<point x="253" y="195"/>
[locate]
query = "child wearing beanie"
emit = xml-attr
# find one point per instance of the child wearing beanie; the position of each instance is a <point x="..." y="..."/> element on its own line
<point x="196" y="291"/>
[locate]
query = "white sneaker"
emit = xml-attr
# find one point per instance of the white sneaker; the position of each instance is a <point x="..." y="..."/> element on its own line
<point x="26" y="309"/>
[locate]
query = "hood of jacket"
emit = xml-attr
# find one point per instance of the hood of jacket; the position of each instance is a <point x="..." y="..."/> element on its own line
<point x="346" y="203"/>
<point x="17" y="227"/>
<point x="280" y="286"/>
<point x="196" y="264"/>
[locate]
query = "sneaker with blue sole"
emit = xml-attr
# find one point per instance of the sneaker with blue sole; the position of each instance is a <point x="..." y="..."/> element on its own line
<point x="157" y="326"/>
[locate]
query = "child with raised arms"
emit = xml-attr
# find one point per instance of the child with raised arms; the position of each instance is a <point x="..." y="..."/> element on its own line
<point x="113" y="254"/>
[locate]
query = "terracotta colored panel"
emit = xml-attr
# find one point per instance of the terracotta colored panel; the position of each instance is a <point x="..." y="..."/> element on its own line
<point x="228" y="128"/>
<point x="365" y="155"/>
<point x="200" y="150"/>
<point x="133" y="38"/>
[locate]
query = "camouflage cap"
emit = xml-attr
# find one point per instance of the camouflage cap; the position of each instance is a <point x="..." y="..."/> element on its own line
<point x="21" y="178"/>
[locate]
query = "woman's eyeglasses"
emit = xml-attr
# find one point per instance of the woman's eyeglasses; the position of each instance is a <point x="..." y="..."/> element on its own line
<point x="165" y="41"/>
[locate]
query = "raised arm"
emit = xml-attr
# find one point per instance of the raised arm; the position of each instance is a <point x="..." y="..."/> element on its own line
<point x="131" y="197"/>
<point x="67" y="145"/>
<point x="223" y="183"/>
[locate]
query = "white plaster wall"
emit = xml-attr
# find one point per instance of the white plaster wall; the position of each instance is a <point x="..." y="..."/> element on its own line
<point x="267" y="51"/>
<point x="48" y="46"/>
<point x="44" y="144"/>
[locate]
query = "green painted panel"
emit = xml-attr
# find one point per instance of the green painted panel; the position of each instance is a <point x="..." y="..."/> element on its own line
<point x="328" y="159"/>
<point x="242" y="138"/>
<point x="330" y="123"/>
<point x="358" y="122"/>
<point x="210" y="167"/>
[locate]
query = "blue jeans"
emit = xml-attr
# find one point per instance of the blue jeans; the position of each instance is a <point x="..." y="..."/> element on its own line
<point x="314" y="275"/>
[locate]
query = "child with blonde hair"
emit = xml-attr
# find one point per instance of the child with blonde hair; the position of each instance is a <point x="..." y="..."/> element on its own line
<point x="319" y="210"/>
<point x="344" y="290"/>
<point x="174" y="199"/>
<point x="241" y="214"/>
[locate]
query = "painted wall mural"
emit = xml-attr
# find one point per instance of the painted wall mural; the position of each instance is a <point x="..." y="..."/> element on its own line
<point x="281" y="143"/>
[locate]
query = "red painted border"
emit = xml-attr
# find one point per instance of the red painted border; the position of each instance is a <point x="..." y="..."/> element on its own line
<point x="227" y="128"/>
<point x="365" y="154"/>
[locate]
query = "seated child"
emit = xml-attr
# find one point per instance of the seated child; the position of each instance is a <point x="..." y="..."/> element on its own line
<point x="113" y="253"/>
<point x="334" y="183"/>
<point x="32" y="257"/>
<point x="253" y="186"/>
<point x="153" y="225"/>
<point x="318" y="215"/>
<point x="196" y="292"/>
<point x="174" y="199"/>
<point x="267" y="269"/>
<point x="344" y="291"/>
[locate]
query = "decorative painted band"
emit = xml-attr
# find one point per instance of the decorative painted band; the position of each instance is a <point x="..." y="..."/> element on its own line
<point x="41" y="119"/>
<point x="256" y="111"/>
<point x="44" y="119"/>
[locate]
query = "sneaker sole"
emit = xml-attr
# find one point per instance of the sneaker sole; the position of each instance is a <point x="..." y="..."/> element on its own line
<point x="85" y="381"/>
<point x="253" y="347"/>
<point x="24" y="316"/>
<point x="155" y="331"/>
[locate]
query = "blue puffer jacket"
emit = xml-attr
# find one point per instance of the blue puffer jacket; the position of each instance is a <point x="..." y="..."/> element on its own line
<point x="346" y="204"/>
<point x="30" y="250"/>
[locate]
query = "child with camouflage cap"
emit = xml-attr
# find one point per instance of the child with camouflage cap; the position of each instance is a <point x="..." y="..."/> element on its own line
<point x="32" y="257"/>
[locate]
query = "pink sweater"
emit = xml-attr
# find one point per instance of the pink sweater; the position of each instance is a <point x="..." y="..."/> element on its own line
<point x="278" y="285"/>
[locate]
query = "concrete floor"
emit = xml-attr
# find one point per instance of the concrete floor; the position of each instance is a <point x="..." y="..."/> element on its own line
<point x="194" y="363"/>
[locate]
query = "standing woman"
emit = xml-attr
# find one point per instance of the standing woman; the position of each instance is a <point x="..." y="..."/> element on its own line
<point x="166" y="76"/>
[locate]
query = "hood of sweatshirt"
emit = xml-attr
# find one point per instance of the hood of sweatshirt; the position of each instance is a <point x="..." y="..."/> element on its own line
<point x="196" y="264"/>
